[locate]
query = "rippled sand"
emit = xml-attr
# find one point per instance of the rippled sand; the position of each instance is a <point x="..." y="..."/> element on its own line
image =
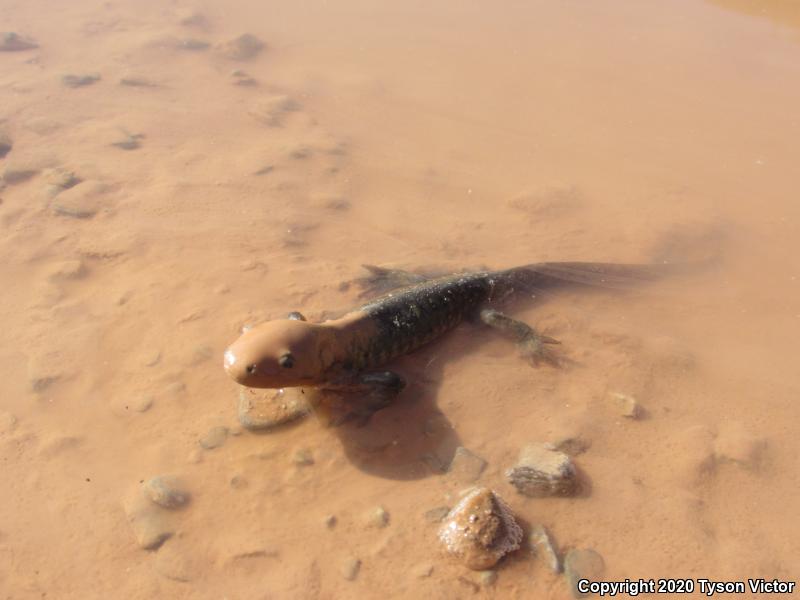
<point x="217" y="192"/>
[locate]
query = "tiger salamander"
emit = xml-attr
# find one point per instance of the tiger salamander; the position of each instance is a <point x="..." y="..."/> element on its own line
<point x="347" y="354"/>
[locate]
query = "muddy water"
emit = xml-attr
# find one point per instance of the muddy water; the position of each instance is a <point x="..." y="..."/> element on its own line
<point x="452" y="135"/>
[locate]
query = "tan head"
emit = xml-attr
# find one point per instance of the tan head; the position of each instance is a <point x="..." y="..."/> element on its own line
<point x="276" y="354"/>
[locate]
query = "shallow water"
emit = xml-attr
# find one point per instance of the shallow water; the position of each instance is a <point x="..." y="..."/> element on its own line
<point x="454" y="135"/>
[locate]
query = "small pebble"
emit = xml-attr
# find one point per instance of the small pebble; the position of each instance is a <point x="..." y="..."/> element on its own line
<point x="137" y="82"/>
<point x="436" y="515"/>
<point x="14" y="42"/>
<point x="627" y="405"/>
<point x="330" y="521"/>
<point x="466" y="467"/>
<point x="541" y="545"/>
<point x="422" y="571"/>
<point x="166" y="491"/>
<point x="302" y="457"/>
<point x="5" y="144"/>
<point x="215" y="437"/>
<point x="8" y="423"/>
<point x="141" y="404"/>
<point x="148" y="521"/>
<point x="349" y="568"/>
<point x="267" y="409"/>
<point x="75" y="81"/>
<point x="377" y="517"/>
<point x="244" y="47"/>
<point x="487" y="578"/>
<point x="238" y="482"/>
<point x="582" y="564"/>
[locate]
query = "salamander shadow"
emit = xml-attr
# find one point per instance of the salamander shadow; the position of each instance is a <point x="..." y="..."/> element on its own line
<point x="411" y="438"/>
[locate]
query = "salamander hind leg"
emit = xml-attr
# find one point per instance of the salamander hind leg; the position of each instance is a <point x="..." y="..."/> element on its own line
<point x="532" y="345"/>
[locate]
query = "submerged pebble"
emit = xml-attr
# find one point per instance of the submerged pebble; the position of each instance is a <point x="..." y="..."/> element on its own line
<point x="76" y="81"/>
<point x="466" y="467"/>
<point x="302" y="457"/>
<point x="582" y="564"/>
<point x="244" y="47"/>
<point x="14" y="42"/>
<point x="349" y="568"/>
<point x="265" y="409"/>
<point x="272" y="110"/>
<point x="8" y="423"/>
<point x="166" y="491"/>
<point x="480" y="530"/>
<point x="215" y="437"/>
<point x="627" y="405"/>
<point x="5" y="144"/>
<point x="487" y="578"/>
<point x="735" y="443"/>
<point x="541" y="545"/>
<point x="435" y="515"/>
<point x="542" y="471"/>
<point x="83" y="201"/>
<point x="377" y="517"/>
<point x="149" y="522"/>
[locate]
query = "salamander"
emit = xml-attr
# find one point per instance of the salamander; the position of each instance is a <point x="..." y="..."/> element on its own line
<point x="349" y="354"/>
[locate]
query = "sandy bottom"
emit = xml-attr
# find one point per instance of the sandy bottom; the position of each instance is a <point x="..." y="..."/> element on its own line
<point x="221" y="185"/>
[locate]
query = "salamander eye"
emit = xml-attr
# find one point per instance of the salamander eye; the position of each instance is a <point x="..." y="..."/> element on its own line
<point x="251" y="369"/>
<point x="286" y="361"/>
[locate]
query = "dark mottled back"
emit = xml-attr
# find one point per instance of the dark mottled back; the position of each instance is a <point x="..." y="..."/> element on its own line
<point x="413" y="316"/>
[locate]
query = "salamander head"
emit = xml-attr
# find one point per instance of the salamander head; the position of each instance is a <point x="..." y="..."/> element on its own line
<point x="276" y="354"/>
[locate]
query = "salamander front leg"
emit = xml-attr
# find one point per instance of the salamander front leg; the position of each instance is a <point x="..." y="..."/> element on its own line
<point x="533" y="346"/>
<point x="357" y="399"/>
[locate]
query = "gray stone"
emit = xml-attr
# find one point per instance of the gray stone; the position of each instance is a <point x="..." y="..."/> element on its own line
<point x="349" y="568"/>
<point x="582" y="564"/>
<point x="487" y="578"/>
<point x="436" y="515"/>
<point x="244" y="47"/>
<point x="75" y="81"/>
<point x="542" y="471"/>
<point x="166" y="491"/>
<point x="541" y="545"/>
<point x="466" y="467"/>
<point x="14" y="42"/>
<point x="266" y="409"/>
<point x="215" y="437"/>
